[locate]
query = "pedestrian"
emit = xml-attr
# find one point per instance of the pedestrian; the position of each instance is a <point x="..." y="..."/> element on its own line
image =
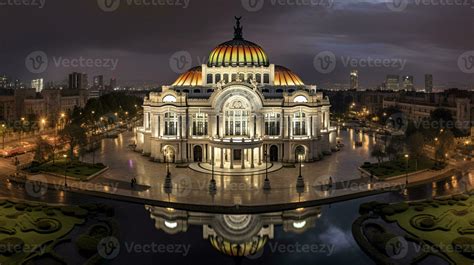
<point x="330" y="182"/>
<point x="131" y="183"/>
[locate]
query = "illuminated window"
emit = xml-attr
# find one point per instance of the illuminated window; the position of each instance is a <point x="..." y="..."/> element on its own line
<point x="300" y="99"/>
<point x="171" y="123"/>
<point x="299" y="123"/>
<point x="169" y="98"/>
<point x="272" y="124"/>
<point x="200" y="124"/>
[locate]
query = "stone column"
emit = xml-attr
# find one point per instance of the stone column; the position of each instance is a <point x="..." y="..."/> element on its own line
<point x="260" y="155"/>
<point x="231" y="158"/>
<point x="252" y="165"/>
<point x="243" y="158"/>
<point x="222" y="158"/>
<point x="213" y="161"/>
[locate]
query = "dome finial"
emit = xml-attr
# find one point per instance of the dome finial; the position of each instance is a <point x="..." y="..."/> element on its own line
<point x="238" y="29"/>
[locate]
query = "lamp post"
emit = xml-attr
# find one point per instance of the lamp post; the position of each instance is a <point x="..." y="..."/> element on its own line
<point x="4" y="129"/>
<point x="406" y="170"/>
<point x="168" y="185"/>
<point x="212" y="184"/>
<point x="65" y="171"/>
<point x="300" y="181"/>
<point x="21" y="128"/>
<point x="266" y="182"/>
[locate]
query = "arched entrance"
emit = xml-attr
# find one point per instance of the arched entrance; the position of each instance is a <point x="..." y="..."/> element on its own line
<point x="273" y="153"/>
<point x="197" y="153"/>
<point x="169" y="154"/>
<point x="300" y="153"/>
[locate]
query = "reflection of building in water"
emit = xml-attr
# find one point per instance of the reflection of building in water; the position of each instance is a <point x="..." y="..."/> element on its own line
<point x="235" y="235"/>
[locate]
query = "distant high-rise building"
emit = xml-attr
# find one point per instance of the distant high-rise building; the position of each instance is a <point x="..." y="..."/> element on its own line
<point x="428" y="83"/>
<point x="99" y="82"/>
<point x="37" y="84"/>
<point x="408" y="83"/>
<point x="354" y="80"/>
<point x="113" y="83"/>
<point x="78" y="81"/>
<point x="392" y="82"/>
<point x="3" y="81"/>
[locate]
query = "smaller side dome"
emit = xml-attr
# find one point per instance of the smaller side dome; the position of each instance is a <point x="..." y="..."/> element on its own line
<point x="193" y="77"/>
<point x="285" y="77"/>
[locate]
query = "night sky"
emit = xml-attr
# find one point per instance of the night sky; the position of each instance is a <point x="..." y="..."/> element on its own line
<point x="430" y="38"/>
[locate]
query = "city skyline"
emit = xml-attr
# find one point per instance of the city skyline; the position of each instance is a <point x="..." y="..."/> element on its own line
<point x="142" y="48"/>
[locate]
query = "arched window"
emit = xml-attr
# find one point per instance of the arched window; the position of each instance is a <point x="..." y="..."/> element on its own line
<point x="279" y="90"/>
<point x="291" y="91"/>
<point x="300" y="99"/>
<point x="171" y="123"/>
<point x="200" y="124"/>
<point x="299" y="123"/>
<point x="197" y="90"/>
<point x="272" y="124"/>
<point x="237" y="115"/>
<point x="258" y="77"/>
<point x="226" y="78"/>
<point x="234" y="77"/>
<point x="218" y="77"/>
<point x="209" y="78"/>
<point x="169" y="98"/>
<point x="210" y="90"/>
<point x="266" y="79"/>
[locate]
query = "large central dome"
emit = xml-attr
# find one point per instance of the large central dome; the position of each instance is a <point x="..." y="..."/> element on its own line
<point x="238" y="52"/>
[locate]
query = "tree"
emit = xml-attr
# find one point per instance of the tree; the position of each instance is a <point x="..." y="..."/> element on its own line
<point x="441" y="119"/>
<point x="444" y="145"/>
<point x="73" y="135"/>
<point x="43" y="150"/>
<point x="377" y="152"/>
<point x="415" y="144"/>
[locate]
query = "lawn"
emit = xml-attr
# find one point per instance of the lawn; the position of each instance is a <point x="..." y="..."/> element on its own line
<point x="76" y="169"/>
<point x="398" y="167"/>
<point x="441" y="229"/>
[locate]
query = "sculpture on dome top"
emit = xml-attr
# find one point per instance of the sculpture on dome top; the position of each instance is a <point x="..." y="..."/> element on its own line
<point x="238" y="29"/>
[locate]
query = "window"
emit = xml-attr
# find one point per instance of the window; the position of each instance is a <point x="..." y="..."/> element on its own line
<point x="258" y="77"/>
<point x="266" y="79"/>
<point x="236" y="122"/>
<point x="171" y="123"/>
<point x="299" y="123"/>
<point x="226" y="78"/>
<point x="200" y="124"/>
<point x="148" y="120"/>
<point x="209" y="78"/>
<point x="169" y="98"/>
<point x="234" y="77"/>
<point x="242" y="77"/>
<point x="300" y="99"/>
<point x="279" y="90"/>
<point x="197" y="90"/>
<point x="272" y="124"/>
<point x="218" y="77"/>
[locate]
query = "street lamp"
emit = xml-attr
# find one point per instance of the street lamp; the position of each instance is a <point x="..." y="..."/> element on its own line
<point x="406" y="169"/>
<point x="65" y="171"/>
<point x="3" y="135"/>
<point x="212" y="184"/>
<point x="300" y="181"/>
<point x="168" y="185"/>
<point x="266" y="182"/>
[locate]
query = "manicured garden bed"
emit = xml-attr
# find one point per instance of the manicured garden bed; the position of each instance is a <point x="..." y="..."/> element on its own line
<point x="30" y="231"/>
<point x="442" y="228"/>
<point x="75" y="169"/>
<point x="398" y="167"/>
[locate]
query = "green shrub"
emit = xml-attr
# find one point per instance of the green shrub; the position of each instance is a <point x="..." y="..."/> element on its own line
<point x="400" y="207"/>
<point x="86" y="244"/>
<point x="427" y="222"/>
<point x="419" y="208"/>
<point x="21" y="207"/>
<point x="465" y="246"/>
<point x="460" y="197"/>
<point x="11" y="245"/>
<point x="43" y="225"/>
<point x="388" y="210"/>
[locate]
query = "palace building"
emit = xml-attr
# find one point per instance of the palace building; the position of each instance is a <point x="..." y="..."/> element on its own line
<point x="237" y="110"/>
